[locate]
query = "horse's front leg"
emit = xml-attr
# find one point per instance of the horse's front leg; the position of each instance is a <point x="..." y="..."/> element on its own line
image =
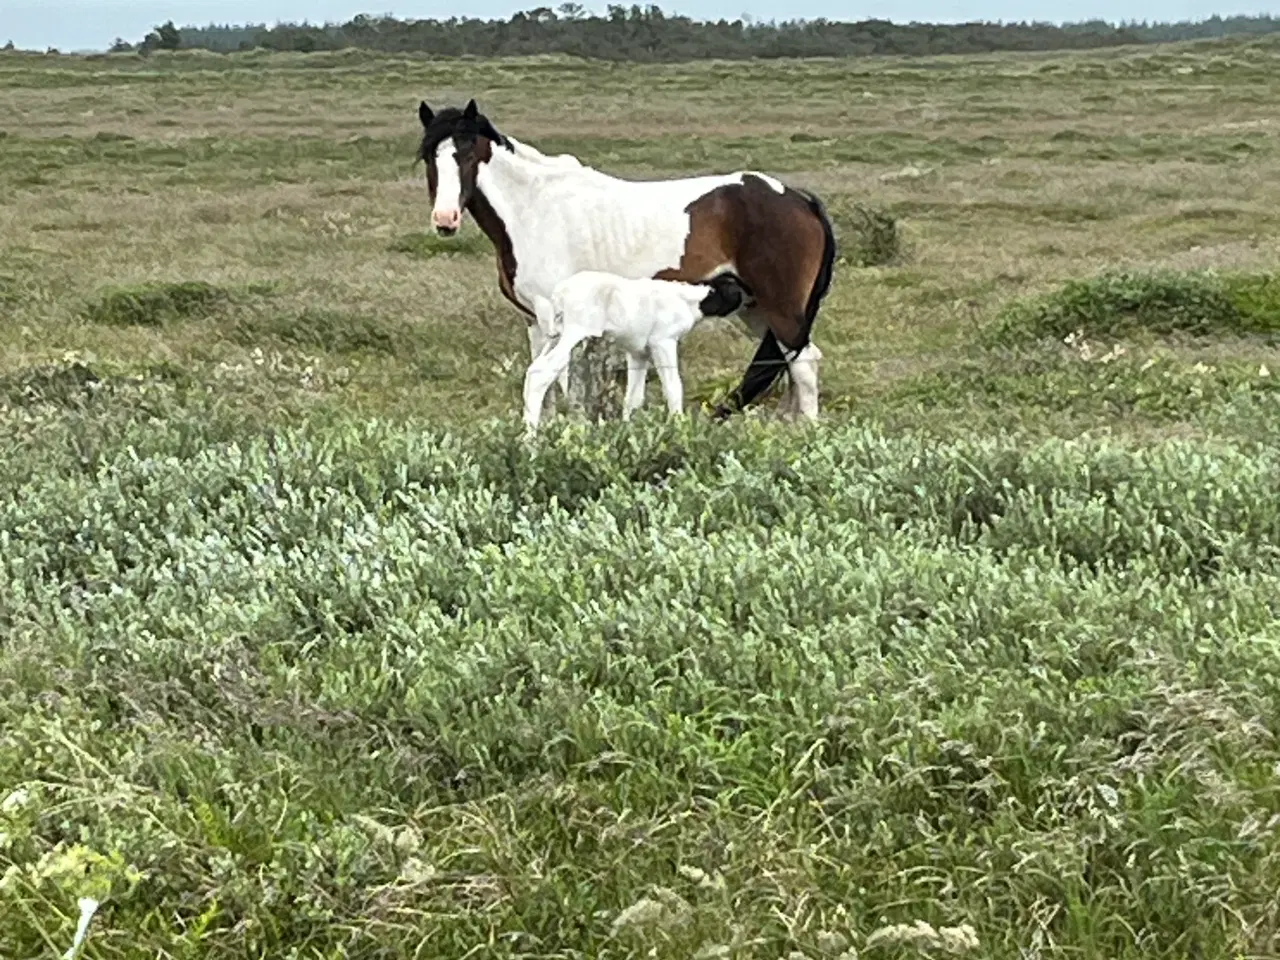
<point x="539" y="339"/>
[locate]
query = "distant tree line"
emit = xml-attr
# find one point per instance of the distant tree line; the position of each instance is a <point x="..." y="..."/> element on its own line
<point x="648" y="34"/>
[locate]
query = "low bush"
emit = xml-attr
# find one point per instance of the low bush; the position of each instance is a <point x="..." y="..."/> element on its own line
<point x="334" y="331"/>
<point x="1116" y="305"/>
<point x="1164" y="390"/>
<point x="63" y="384"/>
<point x="870" y="237"/>
<point x="155" y="304"/>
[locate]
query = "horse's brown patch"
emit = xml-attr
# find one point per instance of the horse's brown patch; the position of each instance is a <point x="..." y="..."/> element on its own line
<point x="491" y="224"/>
<point x="772" y="240"/>
<point x="781" y="246"/>
<point x="713" y="237"/>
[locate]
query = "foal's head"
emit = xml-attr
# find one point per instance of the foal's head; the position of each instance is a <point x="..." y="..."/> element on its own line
<point x="454" y="144"/>
<point x="727" y="296"/>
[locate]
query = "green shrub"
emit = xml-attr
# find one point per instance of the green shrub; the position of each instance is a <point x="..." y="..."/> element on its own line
<point x="1115" y="305"/>
<point x="871" y="238"/>
<point x="10" y="290"/>
<point x="1257" y="298"/>
<point x="334" y="331"/>
<point x="153" y="305"/>
<point x="1169" y="389"/>
<point x="24" y="288"/>
<point x="64" y="384"/>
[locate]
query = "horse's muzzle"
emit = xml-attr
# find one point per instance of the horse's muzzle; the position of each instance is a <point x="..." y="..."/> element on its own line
<point x="446" y="222"/>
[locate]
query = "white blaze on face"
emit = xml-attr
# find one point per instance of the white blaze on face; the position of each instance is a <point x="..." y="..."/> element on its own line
<point x="447" y="211"/>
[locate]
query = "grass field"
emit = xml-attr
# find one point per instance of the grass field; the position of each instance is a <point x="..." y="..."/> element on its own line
<point x="304" y="654"/>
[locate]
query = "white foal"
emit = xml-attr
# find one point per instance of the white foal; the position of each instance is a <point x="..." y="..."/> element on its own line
<point x="647" y="318"/>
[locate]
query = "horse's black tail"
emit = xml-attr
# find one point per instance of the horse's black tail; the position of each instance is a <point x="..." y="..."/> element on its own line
<point x="769" y="362"/>
<point x="823" y="283"/>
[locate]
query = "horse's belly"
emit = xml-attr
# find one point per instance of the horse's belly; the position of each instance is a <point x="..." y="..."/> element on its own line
<point x="643" y="245"/>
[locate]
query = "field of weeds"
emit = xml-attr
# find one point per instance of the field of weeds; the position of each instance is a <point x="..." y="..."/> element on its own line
<point x="305" y="654"/>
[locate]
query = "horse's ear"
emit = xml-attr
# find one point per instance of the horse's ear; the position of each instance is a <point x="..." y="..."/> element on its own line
<point x="471" y="111"/>
<point x="425" y="114"/>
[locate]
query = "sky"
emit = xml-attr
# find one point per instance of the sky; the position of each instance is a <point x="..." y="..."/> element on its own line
<point x="71" y="25"/>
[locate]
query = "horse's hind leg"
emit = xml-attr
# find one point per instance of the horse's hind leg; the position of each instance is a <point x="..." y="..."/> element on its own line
<point x="784" y="257"/>
<point x="771" y="359"/>
<point x="801" y="396"/>
<point x="785" y="283"/>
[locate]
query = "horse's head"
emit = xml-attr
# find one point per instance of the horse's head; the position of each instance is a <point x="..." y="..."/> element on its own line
<point x="454" y="145"/>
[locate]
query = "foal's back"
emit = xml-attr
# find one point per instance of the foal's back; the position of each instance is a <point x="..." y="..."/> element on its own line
<point x="627" y="307"/>
<point x="600" y="284"/>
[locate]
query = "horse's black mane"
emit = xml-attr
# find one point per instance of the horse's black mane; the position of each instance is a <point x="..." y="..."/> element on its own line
<point x="453" y="122"/>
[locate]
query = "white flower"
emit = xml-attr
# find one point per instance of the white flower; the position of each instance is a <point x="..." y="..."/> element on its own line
<point x="88" y="907"/>
<point x="15" y="800"/>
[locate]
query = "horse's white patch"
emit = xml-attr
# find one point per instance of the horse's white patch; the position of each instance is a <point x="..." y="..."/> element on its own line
<point x="564" y="218"/>
<point x="726" y="267"/>
<point x="529" y="153"/>
<point x="778" y="185"/>
<point x="448" y="183"/>
<point x="804" y="381"/>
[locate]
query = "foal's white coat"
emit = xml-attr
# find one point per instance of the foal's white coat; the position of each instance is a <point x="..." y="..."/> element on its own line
<point x="563" y="217"/>
<point x="647" y="318"/>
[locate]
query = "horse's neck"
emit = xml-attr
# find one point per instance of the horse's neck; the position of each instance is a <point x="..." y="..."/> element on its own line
<point x="526" y="152"/>
<point x="512" y="181"/>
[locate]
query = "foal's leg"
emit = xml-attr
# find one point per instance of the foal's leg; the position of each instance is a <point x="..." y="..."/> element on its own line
<point x="637" y="372"/>
<point x="539" y="339"/>
<point x="665" y="354"/>
<point x="544" y="370"/>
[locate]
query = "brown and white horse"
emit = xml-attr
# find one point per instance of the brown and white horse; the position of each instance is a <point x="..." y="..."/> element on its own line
<point x="551" y="217"/>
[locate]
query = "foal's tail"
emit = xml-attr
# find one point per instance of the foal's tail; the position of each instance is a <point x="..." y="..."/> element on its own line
<point x="769" y="362"/>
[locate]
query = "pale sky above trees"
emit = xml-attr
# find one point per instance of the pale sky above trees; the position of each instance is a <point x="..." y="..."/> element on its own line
<point x="92" y="24"/>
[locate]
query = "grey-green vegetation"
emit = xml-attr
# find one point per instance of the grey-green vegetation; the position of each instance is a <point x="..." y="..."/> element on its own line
<point x="305" y="654"/>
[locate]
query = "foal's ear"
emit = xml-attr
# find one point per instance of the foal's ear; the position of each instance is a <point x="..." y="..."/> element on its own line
<point x="425" y="114"/>
<point x="471" y="111"/>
